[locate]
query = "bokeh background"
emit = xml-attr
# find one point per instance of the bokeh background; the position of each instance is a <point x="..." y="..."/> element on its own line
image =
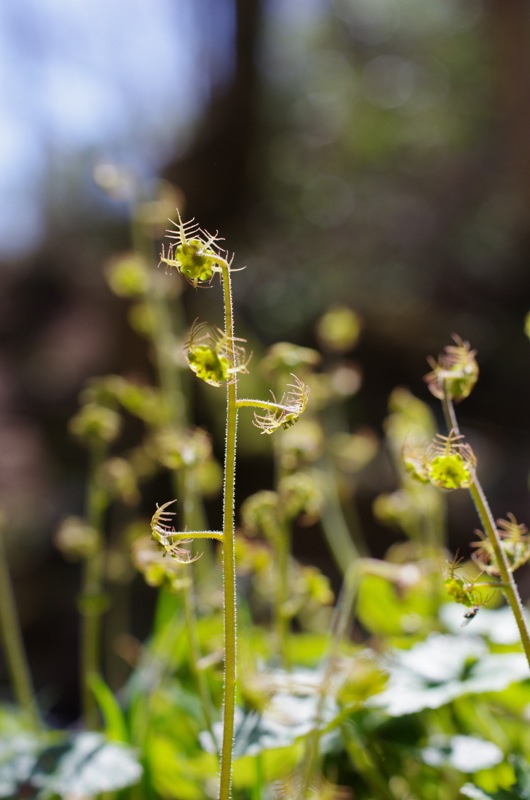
<point x="374" y="153"/>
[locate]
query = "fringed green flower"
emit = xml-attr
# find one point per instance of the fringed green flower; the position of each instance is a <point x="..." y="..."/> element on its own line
<point x="448" y="463"/>
<point x="455" y="373"/>
<point x="287" y="411"/>
<point x="514" y="541"/>
<point x="167" y="537"/>
<point x="213" y="357"/>
<point x="194" y="253"/>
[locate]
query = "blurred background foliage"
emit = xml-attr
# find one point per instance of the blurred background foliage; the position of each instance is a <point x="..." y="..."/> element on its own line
<point x="373" y="153"/>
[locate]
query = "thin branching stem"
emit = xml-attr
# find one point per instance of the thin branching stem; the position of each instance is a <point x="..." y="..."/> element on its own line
<point x="509" y="587"/>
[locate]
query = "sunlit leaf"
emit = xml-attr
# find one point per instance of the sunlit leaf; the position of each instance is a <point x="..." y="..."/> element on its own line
<point x="442" y="668"/>
<point x="84" y="765"/>
<point x="463" y="753"/>
<point x="115" y="724"/>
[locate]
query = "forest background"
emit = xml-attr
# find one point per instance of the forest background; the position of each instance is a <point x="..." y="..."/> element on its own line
<point x="372" y="153"/>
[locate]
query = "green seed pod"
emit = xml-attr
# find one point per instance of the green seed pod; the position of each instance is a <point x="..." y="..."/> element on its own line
<point x="94" y="424"/>
<point x="76" y="540"/>
<point x="260" y="511"/>
<point x="127" y="275"/>
<point x="338" y="329"/>
<point x="299" y="494"/>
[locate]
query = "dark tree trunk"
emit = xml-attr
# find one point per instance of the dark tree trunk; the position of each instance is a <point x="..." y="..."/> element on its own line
<point x="214" y="174"/>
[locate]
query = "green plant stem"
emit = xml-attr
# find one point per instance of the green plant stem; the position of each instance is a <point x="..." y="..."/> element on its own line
<point x="264" y="405"/>
<point x="217" y="535"/>
<point x="281" y="617"/>
<point x="190" y="611"/>
<point x="229" y="561"/>
<point x="509" y="586"/>
<point x="91" y="593"/>
<point x="13" y="644"/>
<point x="336" y="530"/>
<point x="340" y="622"/>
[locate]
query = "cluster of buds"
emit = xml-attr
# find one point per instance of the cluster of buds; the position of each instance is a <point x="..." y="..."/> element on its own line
<point x="448" y="463"/>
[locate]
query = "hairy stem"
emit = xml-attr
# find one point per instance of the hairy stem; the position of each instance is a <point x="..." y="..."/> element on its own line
<point x="509" y="586"/>
<point x="229" y="562"/>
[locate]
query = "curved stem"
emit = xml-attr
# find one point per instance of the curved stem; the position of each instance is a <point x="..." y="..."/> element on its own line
<point x="229" y="563"/>
<point x="509" y="586"/>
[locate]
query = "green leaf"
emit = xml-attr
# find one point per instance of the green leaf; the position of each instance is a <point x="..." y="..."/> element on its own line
<point x="88" y="764"/>
<point x="463" y="753"/>
<point x="473" y="792"/>
<point x="442" y="668"/>
<point x="115" y="724"/>
<point x="85" y="764"/>
<point x="18" y="755"/>
<point x="385" y="610"/>
<point x="497" y="625"/>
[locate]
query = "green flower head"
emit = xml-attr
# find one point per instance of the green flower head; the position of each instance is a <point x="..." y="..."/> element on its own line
<point x="450" y="472"/>
<point x="455" y="373"/>
<point x="194" y="253"/>
<point x="450" y="463"/>
<point x="212" y="357"/>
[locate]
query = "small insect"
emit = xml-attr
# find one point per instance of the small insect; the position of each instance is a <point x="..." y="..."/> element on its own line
<point x="469" y="615"/>
<point x="467" y="592"/>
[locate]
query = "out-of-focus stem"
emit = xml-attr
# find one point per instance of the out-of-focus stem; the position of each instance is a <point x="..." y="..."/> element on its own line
<point x="92" y="601"/>
<point x="13" y="644"/>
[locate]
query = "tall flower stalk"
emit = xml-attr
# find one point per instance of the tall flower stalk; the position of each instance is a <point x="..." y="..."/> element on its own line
<point x="218" y="358"/>
<point x="451" y="464"/>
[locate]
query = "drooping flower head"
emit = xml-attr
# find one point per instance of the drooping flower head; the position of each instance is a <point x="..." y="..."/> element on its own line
<point x="165" y="535"/>
<point x="454" y="373"/>
<point x="287" y="411"/>
<point x="514" y="541"/>
<point x="213" y="357"/>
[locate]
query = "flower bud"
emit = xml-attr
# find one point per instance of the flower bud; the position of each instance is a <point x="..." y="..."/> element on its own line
<point x="127" y="275"/>
<point x="95" y="424"/>
<point x="299" y="494"/>
<point x="455" y="373"/>
<point x="258" y="510"/>
<point x="76" y="540"/>
<point x="338" y="329"/>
